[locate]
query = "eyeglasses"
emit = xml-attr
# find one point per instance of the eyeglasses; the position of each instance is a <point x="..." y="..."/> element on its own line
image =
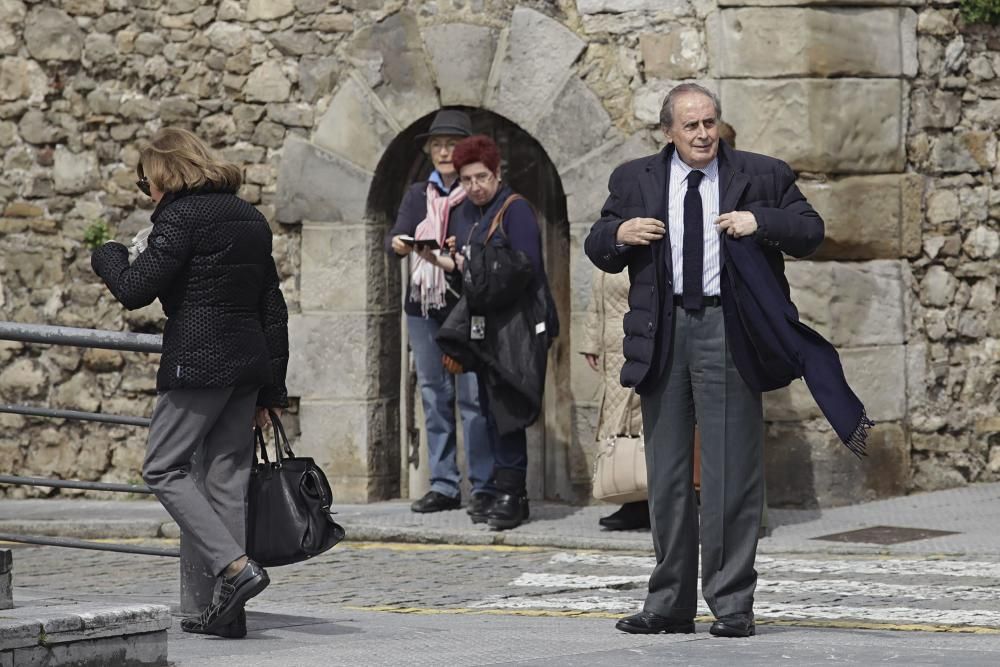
<point x="143" y="182"/>
<point x="477" y="179"/>
<point x="442" y="144"/>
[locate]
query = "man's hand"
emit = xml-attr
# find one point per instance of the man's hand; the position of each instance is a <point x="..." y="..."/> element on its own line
<point x="737" y="223"/>
<point x="640" y="231"/>
<point x="592" y="360"/>
<point x="399" y="247"/>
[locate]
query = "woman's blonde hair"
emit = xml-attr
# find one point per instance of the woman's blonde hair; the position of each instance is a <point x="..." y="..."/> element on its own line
<point x="175" y="159"/>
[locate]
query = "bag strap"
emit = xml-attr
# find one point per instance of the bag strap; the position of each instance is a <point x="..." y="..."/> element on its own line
<point x="280" y="438"/>
<point x="498" y="218"/>
<point x="259" y="443"/>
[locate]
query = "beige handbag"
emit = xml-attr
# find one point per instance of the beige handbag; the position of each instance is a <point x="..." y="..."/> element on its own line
<point x="620" y="467"/>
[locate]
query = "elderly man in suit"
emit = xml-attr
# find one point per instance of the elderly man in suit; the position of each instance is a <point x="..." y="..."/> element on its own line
<point x="664" y="220"/>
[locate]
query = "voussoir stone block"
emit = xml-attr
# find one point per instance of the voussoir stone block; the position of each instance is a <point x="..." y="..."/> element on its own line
<point x="876" y="374"/>
<point x="851" y="304"/>
<point x="822" y="125"/>
<point x="538" y="60"/>
<point x="586" y="182"/>
<point x="314" y="184"/>
<point x="353" y="127"/>
<point x="392" y="52"/>
<point x="796" y="41"/>
<point x="868" y="217"/>
<point x="461" y="80"/>
<point x="566" y="141"/>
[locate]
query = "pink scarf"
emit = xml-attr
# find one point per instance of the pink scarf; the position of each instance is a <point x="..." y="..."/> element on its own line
<point x="427" y="280"/>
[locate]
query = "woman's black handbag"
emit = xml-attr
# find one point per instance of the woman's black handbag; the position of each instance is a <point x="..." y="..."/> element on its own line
<point x="288" y="518"/>
<point x="495" y="274"/>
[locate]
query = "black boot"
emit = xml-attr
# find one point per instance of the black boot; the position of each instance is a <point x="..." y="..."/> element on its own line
<point x="479" y="506"/>
<point x="510" y="508"/>
<point x="631" y="516"/>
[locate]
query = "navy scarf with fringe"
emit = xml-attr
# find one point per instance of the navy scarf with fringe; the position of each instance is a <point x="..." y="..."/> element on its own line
<point x="771" y="347"/>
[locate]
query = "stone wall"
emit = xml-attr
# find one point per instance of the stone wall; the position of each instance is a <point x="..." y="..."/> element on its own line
<point x="888" y="109"/>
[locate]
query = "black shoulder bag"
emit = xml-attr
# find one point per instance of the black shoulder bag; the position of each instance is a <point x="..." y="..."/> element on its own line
<point x="288" y="518"/>
<point x="495" y="274"/>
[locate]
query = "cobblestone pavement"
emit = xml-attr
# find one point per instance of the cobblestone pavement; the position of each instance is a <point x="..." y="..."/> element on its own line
<point x="387" y="604"/>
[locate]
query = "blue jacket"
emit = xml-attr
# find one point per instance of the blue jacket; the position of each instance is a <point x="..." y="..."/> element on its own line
<point x="750" y="182"/>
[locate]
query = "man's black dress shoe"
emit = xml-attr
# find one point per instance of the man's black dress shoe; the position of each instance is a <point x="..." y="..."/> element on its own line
<point x="509" y="510"/>
<point x="734" y="625"/>
<point x="435" y="502"/>
<point x="233" y="594"/>
<point x="631" y="516"/>
<point x="236" y="629"/>
<point x="648" y="623"/>
<point x="480" y="505"/>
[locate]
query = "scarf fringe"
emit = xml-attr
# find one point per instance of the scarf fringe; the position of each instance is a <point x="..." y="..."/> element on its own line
<point x="858" y="442"/>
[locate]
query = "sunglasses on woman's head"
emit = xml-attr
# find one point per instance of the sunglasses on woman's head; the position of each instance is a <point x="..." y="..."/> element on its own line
<point x="143" y="182"/>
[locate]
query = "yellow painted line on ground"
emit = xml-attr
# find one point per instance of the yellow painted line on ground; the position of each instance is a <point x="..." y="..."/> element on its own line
<point x="410" y="546"/>
<point x="569" y="613"/>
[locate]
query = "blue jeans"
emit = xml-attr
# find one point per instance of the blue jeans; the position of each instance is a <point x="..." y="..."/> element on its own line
<point x="437" y="391"/>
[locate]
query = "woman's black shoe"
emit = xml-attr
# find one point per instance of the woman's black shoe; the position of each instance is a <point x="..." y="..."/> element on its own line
<point x="479" y="506"/>
<point x="631" y="516"/>
<point x="435" y="502"/>
<point x="509" y="510"/>
<point x="236" y="629"/>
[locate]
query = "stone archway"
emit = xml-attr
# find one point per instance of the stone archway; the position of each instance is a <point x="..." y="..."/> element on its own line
<point x="345" y="364"/>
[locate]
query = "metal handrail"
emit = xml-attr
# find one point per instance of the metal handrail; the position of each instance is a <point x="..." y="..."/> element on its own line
<point x="75" y="337"/>
<point x="86" y="544"/>
<point x="32" y="411"/>
<point x="75" y="484"/>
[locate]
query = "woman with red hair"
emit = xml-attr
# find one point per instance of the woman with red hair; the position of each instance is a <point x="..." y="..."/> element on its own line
<point x="477" y="160"/>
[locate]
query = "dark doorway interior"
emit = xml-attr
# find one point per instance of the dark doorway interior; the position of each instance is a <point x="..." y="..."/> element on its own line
<point x="530" y="172"/>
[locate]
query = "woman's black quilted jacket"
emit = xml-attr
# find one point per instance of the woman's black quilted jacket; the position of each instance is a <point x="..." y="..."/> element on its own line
<point x="209" y="262"/>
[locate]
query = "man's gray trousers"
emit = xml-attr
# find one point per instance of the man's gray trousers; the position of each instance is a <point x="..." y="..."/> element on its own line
<point x="701" y="384"/>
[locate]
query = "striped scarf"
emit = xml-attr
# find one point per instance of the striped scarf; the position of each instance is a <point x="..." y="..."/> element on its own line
<point x="428" y="280"/>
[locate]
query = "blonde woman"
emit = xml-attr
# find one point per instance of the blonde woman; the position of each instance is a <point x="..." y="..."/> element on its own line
<point x="225" y="351"/>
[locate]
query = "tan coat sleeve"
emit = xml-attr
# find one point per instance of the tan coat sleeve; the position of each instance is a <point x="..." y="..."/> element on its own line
<point x="591" y="342"/>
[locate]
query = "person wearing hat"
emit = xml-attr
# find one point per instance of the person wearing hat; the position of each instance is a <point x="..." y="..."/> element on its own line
<point x="424" y="220"/>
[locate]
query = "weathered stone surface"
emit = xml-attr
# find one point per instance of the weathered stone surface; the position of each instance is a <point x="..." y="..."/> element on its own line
<point x="178" y="109"/>
<point x="586" y="183"/>
<point x="22" y="79"/>
<point x="617" y="6"/>
<point x="392" y="54"/>
<point x="536" y="64"/>
<point x="50" y="34"/>
<point x="777" y="42"/>
<point x="807" y="466"/>
<point x="935" y="108"/>
<point x="982" y="243"/>
<point x="357" y="443"/>
<point x="267" y="83"/>
<point x="337" y="261"/>
<point x="22" y="377"/>
<point x="851" y="304"/>
<point x="314" y="184"/>
<point x="869" y="217"/>
<point x="460" y="80"/>
<point x="565" y="142"/>
<point x="962" y="152"/>
<point x="268" y="10"/>
<point x="834" y="125"/>
<point x="317" y="77"/>
<point x="811" y="3"/>
<point x="353" y="126"/>
<point x="876" y="374"/>
<point x="677" y="54"/>
<point x="295" y="115"/>
<point x="74" y="172"/>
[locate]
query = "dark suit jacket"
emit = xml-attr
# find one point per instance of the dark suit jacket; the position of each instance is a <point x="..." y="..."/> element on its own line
<point x="747" y="182"/>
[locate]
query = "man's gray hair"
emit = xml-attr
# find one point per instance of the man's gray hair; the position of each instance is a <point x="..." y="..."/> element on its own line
<point x="667" y="110"/>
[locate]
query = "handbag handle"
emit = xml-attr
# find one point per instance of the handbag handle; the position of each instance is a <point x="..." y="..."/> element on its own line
<point x="497" y="222"/>
<point x="279" y="430"/>
<point x="282" y="449"/>
<point x="625" y="418"/>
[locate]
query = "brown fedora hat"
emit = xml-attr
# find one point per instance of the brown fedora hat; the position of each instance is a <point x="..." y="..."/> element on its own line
<point x="448" y="122"/>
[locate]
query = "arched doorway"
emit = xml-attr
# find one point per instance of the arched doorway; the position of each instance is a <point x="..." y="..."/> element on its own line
<point x="530" y="172"/>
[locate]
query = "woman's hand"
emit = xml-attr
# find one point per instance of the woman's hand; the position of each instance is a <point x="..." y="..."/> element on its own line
<point x="451" y="244"/>
<point x="262" y="420"/>
<point x="592" y="360"/>
<point x="443" y="261"/>
<point x="451" y="365"/>
<point x="399" y="247"/>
